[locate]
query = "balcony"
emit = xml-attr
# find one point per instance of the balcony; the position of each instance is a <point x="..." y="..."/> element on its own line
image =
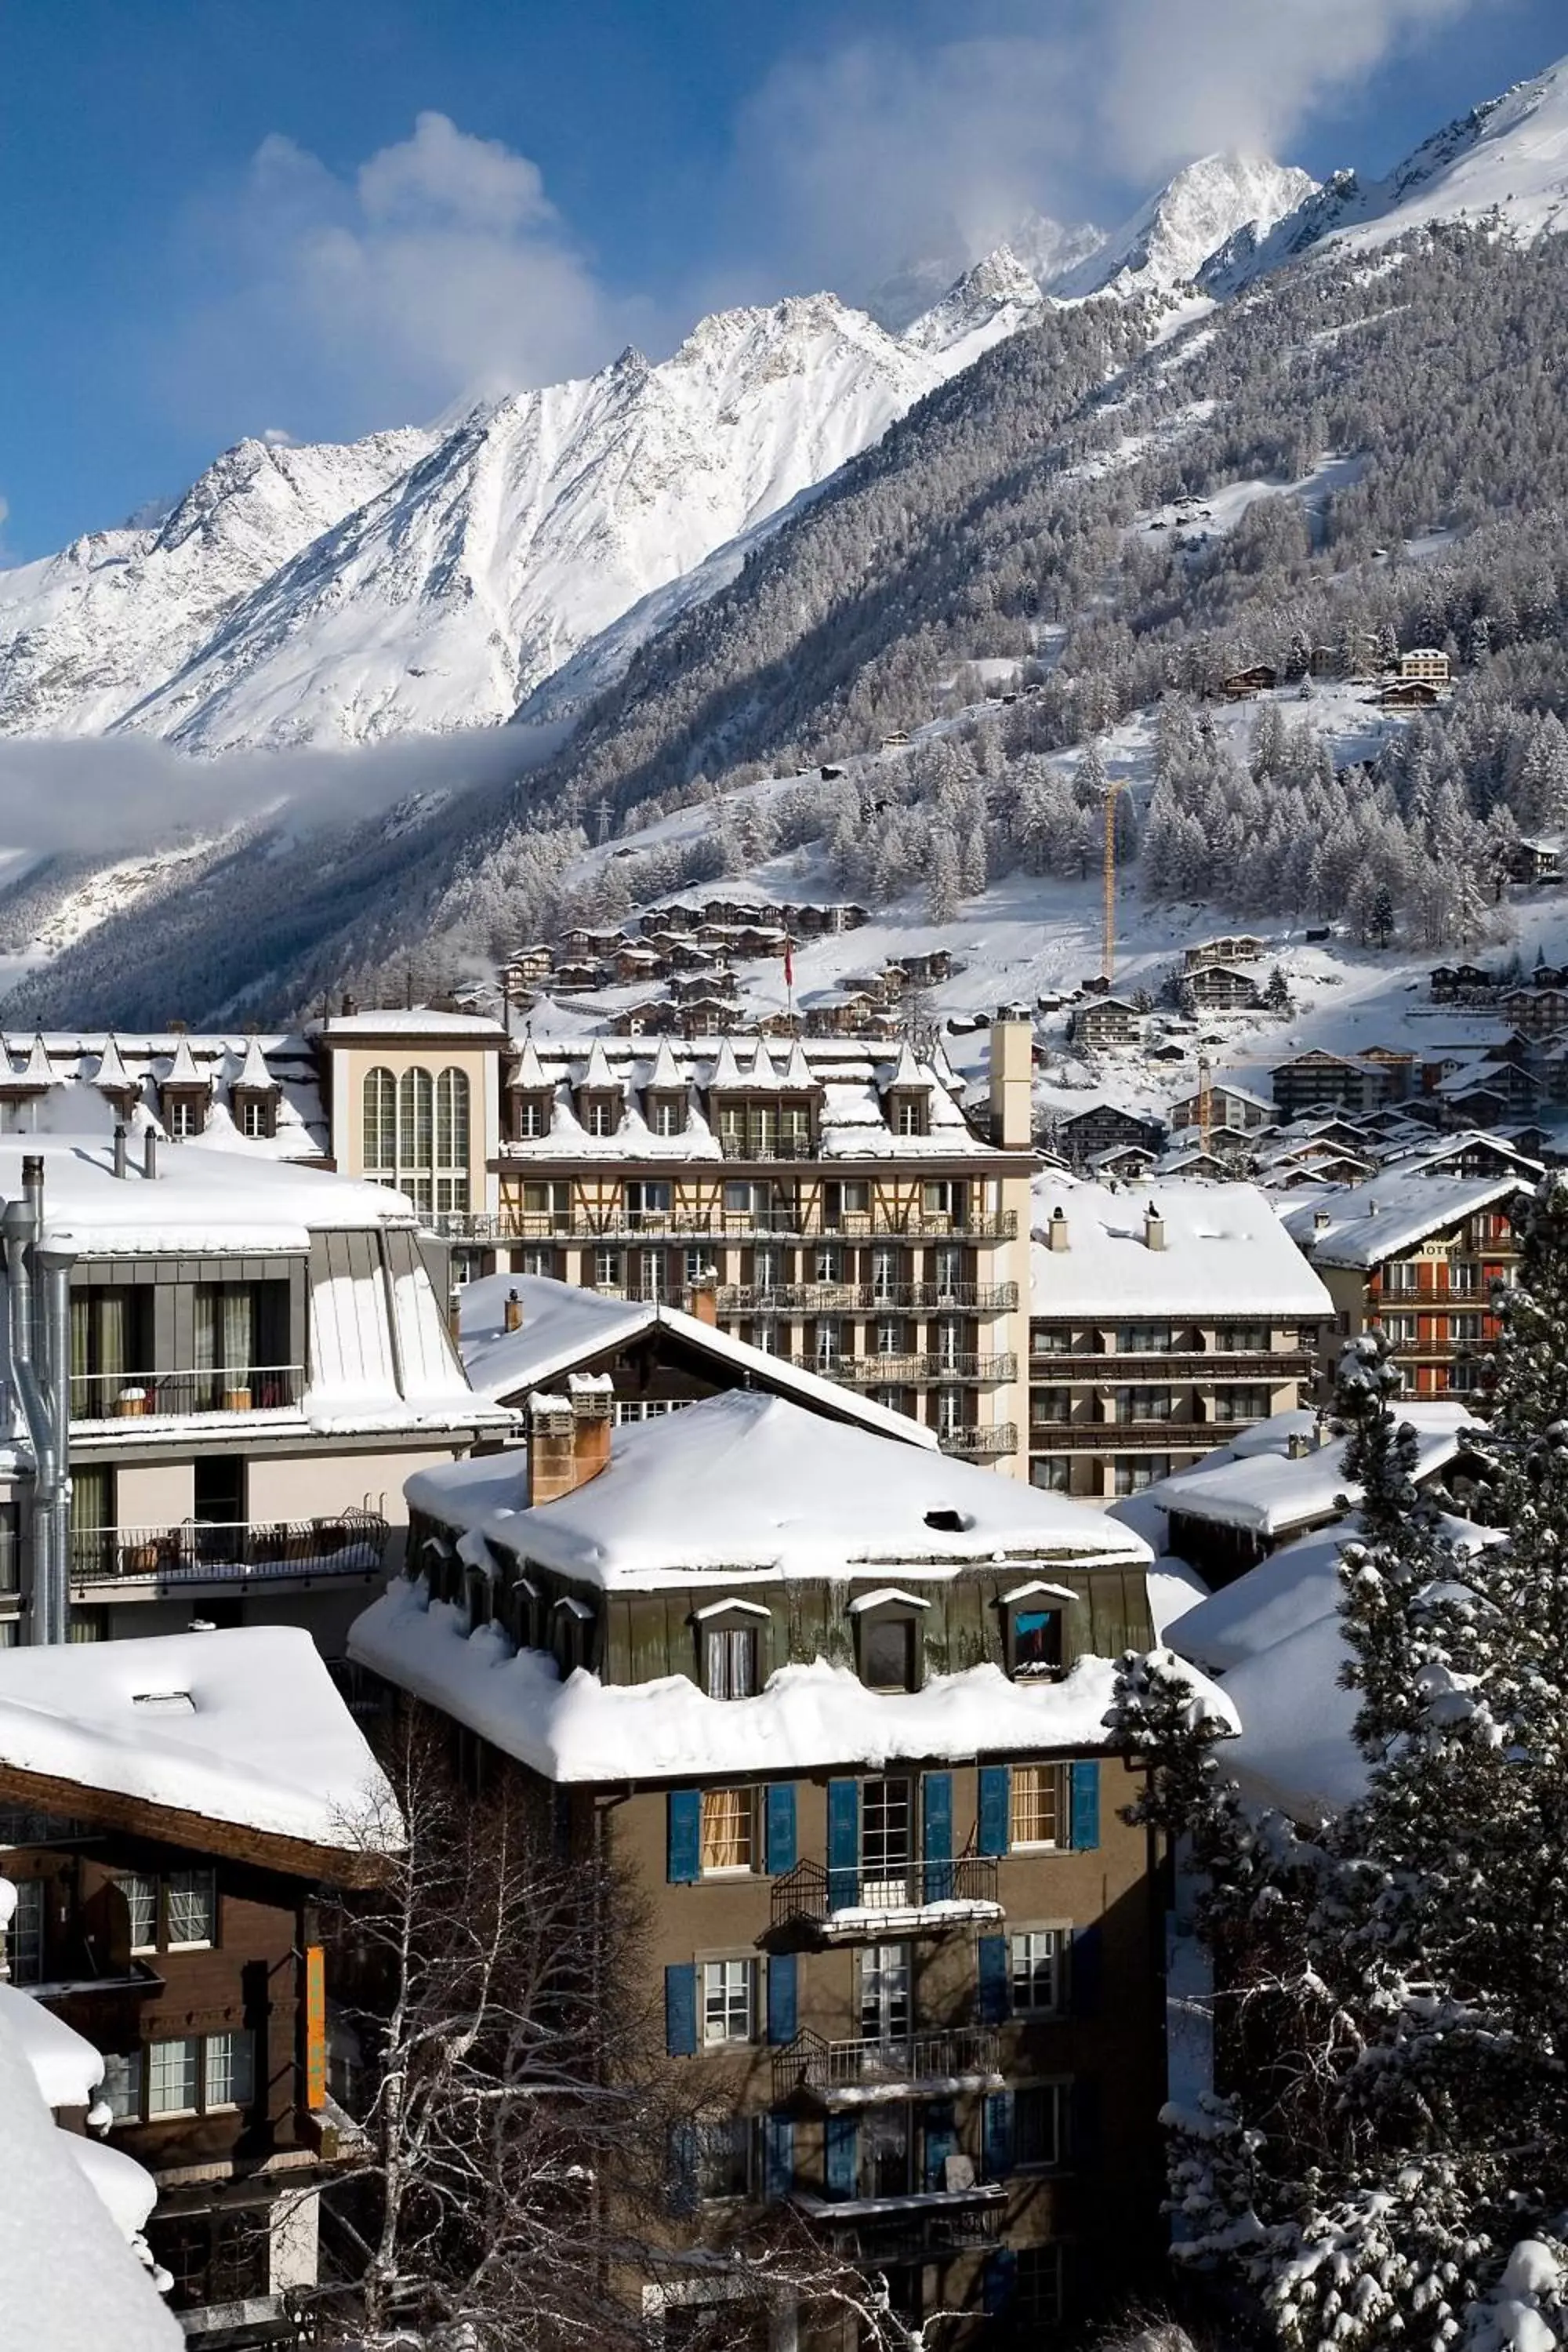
<point x="910" y="1371"/>
<point x="764" y="1148"/>
<point x="1288" y="1364"/>
<point x="795" y="1221"/>
<point x="139" y="1396"/>
<point x="930" y="1897"/>
<point x="988" y="1442"/>
<point x="867" y="1298"/>
<point x="204" y="1551"/>
<point x="1119" y="1436"/>
<point x="909" y="2227"/>
<point x="930" y="2065"/>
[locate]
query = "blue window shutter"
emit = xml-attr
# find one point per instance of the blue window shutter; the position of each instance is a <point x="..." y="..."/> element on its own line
<point x="995" y="1990"/>
<point x="843" y="1843"/>
<point x="781" y="1837"/>
<point x="1085" y="1807"/>
<point x="680" y="2009"/>
<point x="998" y="2134"/>
<point x="841" y="2148"/>
<point x="684" y="1841"/>
<point x="778" y="2158"/>
<point x="940" y="2142"/>
<point x="936" y="1826"/>
<point x="996" y="1804"/>
<point x="782" y="2027"/>
<point x="1085" y="2123"/>
<point x="683" y="2167"/>
<point x="1001" y="2277"/>
<point x="1086" y="1972"/>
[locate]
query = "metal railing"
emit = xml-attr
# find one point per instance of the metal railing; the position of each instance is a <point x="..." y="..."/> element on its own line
<point x="867" y="1298"/>
<point x="132" y="1396"/>
<point x="909" y="1371"/>
<point x="797" y="1221"/>
<point x="1113" y="1436"/>
<point x="202" y="1550"/>
<point x="980" y="1442"/>
<point x="954" y="2053"/>
<point x="1287" y="1364"/>
<point x="910" y="2226"/>
<point x="816" y="1894"/>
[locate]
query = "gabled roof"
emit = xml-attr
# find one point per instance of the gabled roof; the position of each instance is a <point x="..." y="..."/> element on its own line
<point x="906" y="1073"/>
<point x="1390" y="1212"/>
<point x="797" y="1077"/>
<point x="37" y="1072"/>
<point x="598" y="1074"/>
<point x="667" y="1076"/>
<point x="182" y="1070"/>
<point x="111" y="1077"/>
<point x="725" y="1076"/>
<point x="1256" y="1485"/>
<point x="529" y="1076"/>
<point x="254" y="1073"/>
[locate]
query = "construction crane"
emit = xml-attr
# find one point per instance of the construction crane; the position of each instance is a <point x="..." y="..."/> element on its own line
<point x="1205" y="1103"/>
<point x="1107" y="959"/>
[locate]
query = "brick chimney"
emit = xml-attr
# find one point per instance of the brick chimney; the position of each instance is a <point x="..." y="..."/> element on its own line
<point x="1056" y="1237"/>
<point x="593" y="1398"/>
<point x="512" y="1312"/>
<point x="702" y="1298"/>
<point x="569" y="1436"/>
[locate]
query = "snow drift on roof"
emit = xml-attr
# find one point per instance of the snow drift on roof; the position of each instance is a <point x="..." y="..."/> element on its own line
<point x="1225" y="1253"/>
<point x="267" y="1744"/>
<point x="1390" y="1212"/>
<point x="1259" y="1487"/>
<point x="744" y="1483"/>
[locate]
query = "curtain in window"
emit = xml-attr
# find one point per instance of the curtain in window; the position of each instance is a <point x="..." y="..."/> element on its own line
<point x="238" y="1330"/>
<point x="731" y="1663"/>
<point x="726" y="1829"/>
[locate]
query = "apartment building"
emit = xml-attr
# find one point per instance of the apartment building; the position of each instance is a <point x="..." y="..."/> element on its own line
<point x="1163" y="1314"/>
<point x="219" y="1371"/>
<point x="169" y="1810"/>
<point x="1420" y="1254"/>
<point x="840" y="1703"/>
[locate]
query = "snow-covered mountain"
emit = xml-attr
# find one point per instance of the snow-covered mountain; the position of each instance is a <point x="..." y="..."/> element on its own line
<point x="1505" y="161"/>
<point x="425" y="581"/>
<point x="1047" y="249"/>
<point x="1167" y="241"/>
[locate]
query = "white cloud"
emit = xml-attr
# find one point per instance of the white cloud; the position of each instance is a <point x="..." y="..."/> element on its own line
<point x="880" y="146"/>
<point x="436" y="269"/>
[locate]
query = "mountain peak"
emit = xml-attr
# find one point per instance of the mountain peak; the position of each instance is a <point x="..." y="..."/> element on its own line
<point x="989" y="301"/>
<point x="1206" y="203"/>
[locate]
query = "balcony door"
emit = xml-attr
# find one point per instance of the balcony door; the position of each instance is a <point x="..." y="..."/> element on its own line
<point x="885" y="1994"/>
<point x="887" y="1847"/>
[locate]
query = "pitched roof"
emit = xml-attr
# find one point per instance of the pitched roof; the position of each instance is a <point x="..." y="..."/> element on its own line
<point x="529" y="1076"/>
<point x="1390" y="1212"/>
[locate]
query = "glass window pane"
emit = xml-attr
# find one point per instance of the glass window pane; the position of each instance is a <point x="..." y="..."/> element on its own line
<point x="193" y="1907"/>
<point x="727" y="1815"/>
<point x="173" y="2076"/>
<point x="122" y="2086"/>
<point x="24" y="1943"/>
<point x="1035" y="1804"/>
<point x="727" y="2001"/>
<point x="140" y="1893"/>
<point x="228" y="2070"/>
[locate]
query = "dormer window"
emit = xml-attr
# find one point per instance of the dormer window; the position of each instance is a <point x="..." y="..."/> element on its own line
<point x="255" y="1116"/>
<point x="601" y="1114"/>
<point x="667" y="1113"/>
<point x="531" y="1114"/>
<point x="910" y="1115"/>
<point x="571" y="1634"/>
<point x="888" y="1625"/>
<point x="730" y="1638"/>
<point x="182" y="1115"/>
<point x="1036" y="1630"/>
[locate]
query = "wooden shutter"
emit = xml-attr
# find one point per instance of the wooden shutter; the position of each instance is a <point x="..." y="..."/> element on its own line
<point x="1084" y="1782"/>
<point x="841" y="2149"/>
<point x="680" y="2009"/>
<point x="996" y="1803"/>
<point x="936" y="1831"/>
<point x="997" y="2138"/>
<point x="1085" y="1952"/>
<point x="780" y="1827"/>
<point x="782" y="2004"/>
<point x="684" y="1841"/>
<point x="778" y="2158"/>
<point x="843" y="1843"/>
<point x="996" y="1987"/>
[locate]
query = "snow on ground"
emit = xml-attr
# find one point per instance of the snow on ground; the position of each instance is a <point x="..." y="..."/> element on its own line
<point x="1195" y="521"/>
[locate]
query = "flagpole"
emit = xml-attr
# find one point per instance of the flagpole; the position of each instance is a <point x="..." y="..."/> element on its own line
<point x="789" y="984"/>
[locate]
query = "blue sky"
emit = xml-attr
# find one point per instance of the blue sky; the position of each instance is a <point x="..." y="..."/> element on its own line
<point x="321" y="216"/>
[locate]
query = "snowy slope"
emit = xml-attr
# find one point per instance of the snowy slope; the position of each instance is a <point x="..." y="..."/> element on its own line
<point x="1507" y="161"/>
<point x="85" y="632"/>
<point x="429" y="581"/>
<point x="1047" y="249"/>
<point x="1166" y="243"/>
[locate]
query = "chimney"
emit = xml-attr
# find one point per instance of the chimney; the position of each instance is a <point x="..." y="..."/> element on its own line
<point x="1153" y="1228"/>
<point x="1012" y="1046"/>
<point x="121" y="1166"/>
<point x="350" y="1008"/>
<point x="592" y="1400"/>
<point x="569" y="1436"/>
<point x="1057" y="1231"/>
<point x="455" y="1317"/>
<point x="1297" y="1445"/>
<point x="511" y="1314"/>
<point x="702" y="1299"/>
<point x="1321" y="1221"/>
<point x="150" y="1154"/>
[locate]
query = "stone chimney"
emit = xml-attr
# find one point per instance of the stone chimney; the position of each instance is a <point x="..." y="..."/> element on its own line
<point x="511" y="1314"/>
<point x="569" y="1436"/>
<point x="1153" y="1228"/>
<point x="1297" y="1445"/>
<point x="1056" y="1237"/>
<point x="593" y="1401"/>
<point x="702" y="1298"/>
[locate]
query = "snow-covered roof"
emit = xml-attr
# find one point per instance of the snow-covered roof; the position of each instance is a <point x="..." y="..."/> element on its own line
<point x="807" y="1716"/>
<point x="1255" y="1483"/>
<point x="69" y="2279"/>
<point x="564" y="1325"/>
<point x="1225" y="1253"/>
<point x="241" y="1728"/>
<point x="1392" y="1211"/>
<point x="747" y="1484"/>
<point x="77" y="1063"/>
<point x="63" y="2063"/>
<point x="410" y="1020"/>
<point x="198" y="1202"/>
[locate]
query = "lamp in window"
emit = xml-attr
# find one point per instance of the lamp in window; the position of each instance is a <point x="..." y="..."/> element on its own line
<point x="1036" y="1629"/>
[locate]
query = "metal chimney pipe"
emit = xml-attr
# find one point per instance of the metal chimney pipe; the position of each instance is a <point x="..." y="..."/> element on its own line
<point x="19" y="1228"/>
<point x="150" y="1155"/>
<point x="121" y="1168"/>
<point x="56" y="1265"/>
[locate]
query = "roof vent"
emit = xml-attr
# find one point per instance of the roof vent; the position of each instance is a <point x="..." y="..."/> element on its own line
<point x="947" y="1522"/>
<point x="1153" y="1228"/>
<point x="1321" y="1221"/>
<point x="174" y="1702"/>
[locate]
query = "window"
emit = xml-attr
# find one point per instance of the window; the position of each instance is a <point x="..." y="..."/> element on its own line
<point x="827" y="1264"/>
<point x="724" y="2158"/>
<point x="889" y="1337"/>
<point x="1144" y="1339"/>
<point x="1464" y="1329"/>
<point x="1038" y="2289"/>
<point x="944" y="1198"/>
<point x="949" y="1412"/>
<point x="950" y="1343"/>
<point x="240" y="1330"/>
<point x="140" y="1893"/>
<point x="1039" y="2118"/>
<point x="1464" y="1379"/>
<point x="599" y="1115"/>
<point x="910" y="1116"/>
<point x="415" y="1135"/>
<point x="888" y="1653"/>
<point x="228" y="2071"/>
<point x="729" y="1817"/>
<point x="608" y="1269"/>
<point x="1036" y="1640"/>
<point x="766" y="1266"/>
<point x="730" y="1662"/>
<point x="884" y="1981"/>
<point x="646" y="1205"/>
<point x="1243" y="1339"/>
<point x="1049" y="1340"/>
<point x="1131" y="1472"/>
<point x="1400" y="1329"/>
<point x="651" y="1281"/>
<point x="1401" y="1278"/>
<point x="1145" y="1404"/>
<point x="886" y="2151"/>
<point x="213" y="2258"/>
<point x="1038" y="1811"/>
<point x="829" y="1342"/>
<point x="173" y="2076"/>
<point x="886" y="1845"/>
<point x="255" y="1116"/>
<point x="1241" y="1404"/>
<point x="531" y="1118"/>
<point x="1038" y="1959"/>
<point x="1464" y="1279"/>
<point x="538" y="1260"/>
<point x="193" y="1908"/>
<point x="765" y="1338"/>
<point x="884" y="1275"/>
<point x="1050" y="1405"/>
<point x="666" y="1114"/>
<point x="111" y="1346"/>
<point x="947" y="1266"/>
<point x="1053" y="1472"/>
<point x="24" y="1943"/>
<point x="182" y="1116"/>
<point x="728" y="2001"/>
<point x="122" y="2086"/>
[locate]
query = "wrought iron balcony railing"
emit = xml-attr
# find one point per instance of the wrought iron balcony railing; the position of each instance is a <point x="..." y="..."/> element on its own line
<point x="961" y="2054"/>
<point x="200" y="1551"/>
<point x="867" y="1298"/>
<point x="981" y="1442"/>
<point x="909" y="1371"/>
<point x="855" y="1899"/>
<point x="132" y="1396"/>
<point x="900" y="2226"/>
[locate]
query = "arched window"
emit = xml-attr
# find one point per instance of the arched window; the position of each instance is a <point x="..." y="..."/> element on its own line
<point x="417" y="1136"/>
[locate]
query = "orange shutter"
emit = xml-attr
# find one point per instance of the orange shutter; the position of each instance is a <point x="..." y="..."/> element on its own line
<point x="315" y="2028"/>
